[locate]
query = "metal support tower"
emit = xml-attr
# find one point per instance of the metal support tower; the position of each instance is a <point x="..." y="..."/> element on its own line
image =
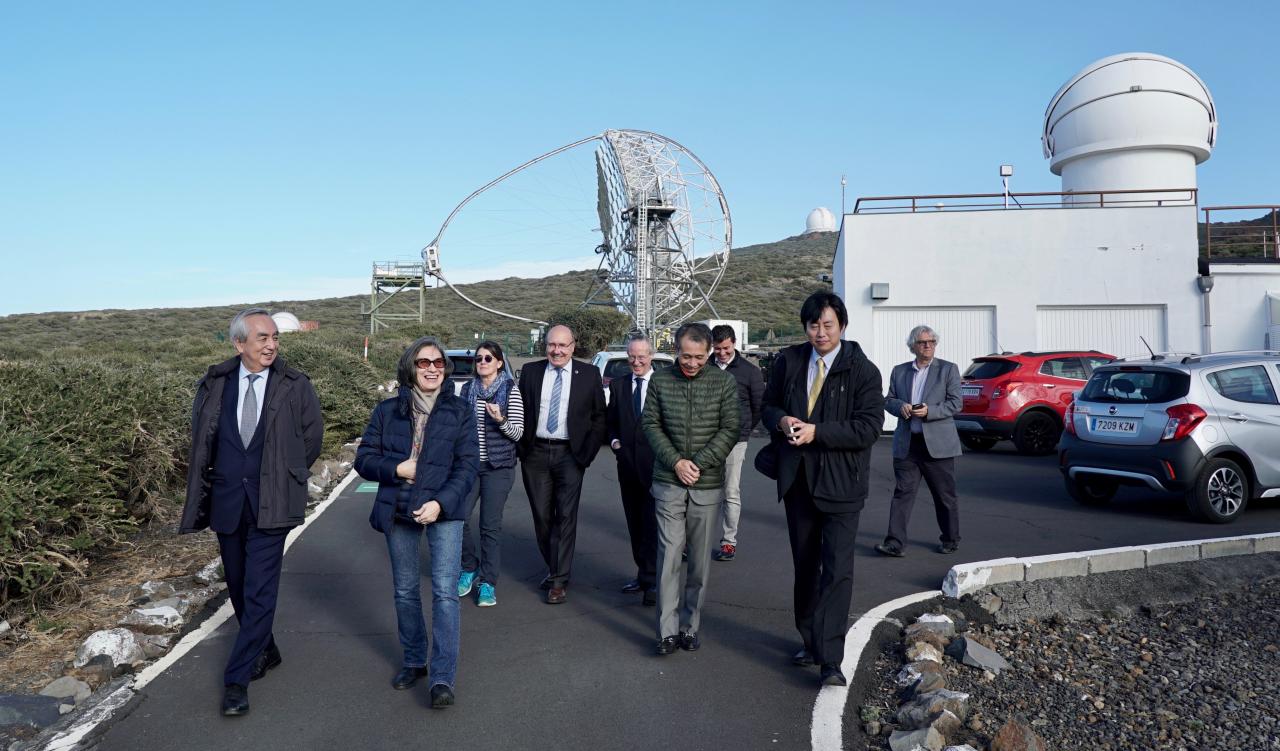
<point x="395" y="280"/>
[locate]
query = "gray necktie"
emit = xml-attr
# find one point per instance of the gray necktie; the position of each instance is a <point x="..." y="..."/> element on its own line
<point x="249" y="412"/>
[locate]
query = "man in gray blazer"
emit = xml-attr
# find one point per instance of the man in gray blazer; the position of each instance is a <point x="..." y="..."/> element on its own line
<point x="924" y="394"/>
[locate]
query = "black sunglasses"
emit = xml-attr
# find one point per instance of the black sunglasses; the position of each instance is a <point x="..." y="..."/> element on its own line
<point x="486" y="358"/>
<point x="426" y="362"/>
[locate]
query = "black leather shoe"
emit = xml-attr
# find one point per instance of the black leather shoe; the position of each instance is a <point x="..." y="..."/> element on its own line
<point x="441" y="696"/>
<point x="650" y="597"/>
<point x="804" y="658"/>
<point x="631" y="586"/>
<point x="689" y="642"/>
<point x="268" y="660"/>
<point x="947" y="548"/>
<point x="667" y="645"/>
<point x="235" y="700"/>
<point x="890" y="548"/>
<point x="831" y="675"/>
<point x="407" y="677"/>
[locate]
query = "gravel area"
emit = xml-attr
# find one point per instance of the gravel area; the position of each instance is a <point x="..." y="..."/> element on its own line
<point x="1193" y="675"/>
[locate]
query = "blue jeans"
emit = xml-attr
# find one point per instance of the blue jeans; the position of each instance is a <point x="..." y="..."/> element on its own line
<point x="491" y="489"/>
<point x="445" y="539"/>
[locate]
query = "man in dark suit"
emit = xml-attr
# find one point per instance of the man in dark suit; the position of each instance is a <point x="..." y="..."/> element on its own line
<point x="635" y="465"/>
<point x="256" y="428"/>
<point x="924" y="394"/>
<point x="564" y="402"/>
<point x="824" y="405"/>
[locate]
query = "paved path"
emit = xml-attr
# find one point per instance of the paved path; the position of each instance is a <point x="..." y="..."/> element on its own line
<point x="582" y="675"/>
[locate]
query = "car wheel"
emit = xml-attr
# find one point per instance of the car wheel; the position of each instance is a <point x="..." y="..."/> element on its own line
<point x="1220" y="493"/>
<point x="1036" y="433"/>
<point x="1091" y="491"/>
<point x="977" y="442"/>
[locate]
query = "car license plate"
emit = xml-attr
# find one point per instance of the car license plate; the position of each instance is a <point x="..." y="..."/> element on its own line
<point x="1114" y="425"/>
<point x="970" y="392"/>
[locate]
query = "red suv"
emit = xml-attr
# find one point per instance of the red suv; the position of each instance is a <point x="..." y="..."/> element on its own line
<point x="1021" y="396"/>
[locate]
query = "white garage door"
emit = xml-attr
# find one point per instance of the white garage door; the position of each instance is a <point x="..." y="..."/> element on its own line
<point x="964" y="333"/>
<point x="1112" y="328"/>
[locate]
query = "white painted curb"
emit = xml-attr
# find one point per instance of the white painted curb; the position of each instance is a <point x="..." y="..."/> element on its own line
<point x="827" y="728"/>
<point x="106" y="709"/>
<point x="966" y="578"/>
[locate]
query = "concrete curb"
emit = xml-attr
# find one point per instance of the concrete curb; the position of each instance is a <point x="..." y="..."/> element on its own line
<point x="967" y="578"/>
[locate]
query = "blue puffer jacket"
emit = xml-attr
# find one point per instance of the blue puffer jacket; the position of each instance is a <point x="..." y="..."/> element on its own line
<point x="447" y="464"/>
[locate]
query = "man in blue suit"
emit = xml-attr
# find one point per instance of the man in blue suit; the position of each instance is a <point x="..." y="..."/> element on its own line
<point x="924" y="394"/>
<point x="635" y="465"/>
<point x="256" y="429"/>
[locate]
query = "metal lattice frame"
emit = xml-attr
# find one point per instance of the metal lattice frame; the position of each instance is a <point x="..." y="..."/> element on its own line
<point x="666" y="227"/>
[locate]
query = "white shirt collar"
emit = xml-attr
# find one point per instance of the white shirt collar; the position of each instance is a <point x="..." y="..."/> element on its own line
<point x="829" y="358"/>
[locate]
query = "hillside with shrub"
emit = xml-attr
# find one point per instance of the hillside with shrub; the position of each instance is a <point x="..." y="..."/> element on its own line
<point x="95" y="406"/>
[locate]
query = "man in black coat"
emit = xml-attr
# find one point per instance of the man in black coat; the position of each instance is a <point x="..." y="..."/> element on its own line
<point x="564" y="406"/>
<point x="256" y="428"/>
<point x="825" y="408"/>
<point x="635" y="465"/>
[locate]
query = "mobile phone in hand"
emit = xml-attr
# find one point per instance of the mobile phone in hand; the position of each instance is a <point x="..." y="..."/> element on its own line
<point x="917" y="406"/>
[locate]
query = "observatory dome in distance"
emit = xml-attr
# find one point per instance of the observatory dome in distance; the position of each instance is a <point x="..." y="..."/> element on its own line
<point x="820" y="220"/>
<point x="1130" y="121"/>
<point x="286" y="322"/>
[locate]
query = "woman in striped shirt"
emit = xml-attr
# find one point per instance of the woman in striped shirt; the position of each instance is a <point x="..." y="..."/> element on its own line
<point x="499" y="410"/>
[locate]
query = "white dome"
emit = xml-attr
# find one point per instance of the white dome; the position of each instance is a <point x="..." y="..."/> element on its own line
<point x="1135" y="120"/>
<point x="286" y="322"/>
<point x="820" y="220"/>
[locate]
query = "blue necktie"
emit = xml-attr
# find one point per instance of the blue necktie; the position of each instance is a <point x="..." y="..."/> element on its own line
<point x="635" y="396"/>
<point x="553" y="417"/>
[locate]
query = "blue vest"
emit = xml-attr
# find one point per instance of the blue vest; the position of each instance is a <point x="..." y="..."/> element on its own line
<point x="236" y="469"/>
<point x="500" y="449"/>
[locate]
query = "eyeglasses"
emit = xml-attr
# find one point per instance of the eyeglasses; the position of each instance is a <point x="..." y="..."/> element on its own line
<point x="426" y="362"/>
<point x="927" y="342"/>
<point x="486" y="358"/>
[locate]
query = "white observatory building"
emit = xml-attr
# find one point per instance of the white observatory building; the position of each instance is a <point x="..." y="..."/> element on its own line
<point x="286" y="322"/>
<point x="1111" y="258"/>
<point x="820" y="220"/>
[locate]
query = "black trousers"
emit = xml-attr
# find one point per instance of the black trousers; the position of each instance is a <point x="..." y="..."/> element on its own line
<point x="940" y="476"/>
<point x="822" y="550"/>
<point x="251" y="561"/>
<point x="553" y="482"/>
<point x="642" y="525"/>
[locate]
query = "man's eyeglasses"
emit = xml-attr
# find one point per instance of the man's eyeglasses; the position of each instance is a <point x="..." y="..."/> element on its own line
<point x="485" y="358"/>
<point x="426" y="362"/>
<point x="927" y="342"/>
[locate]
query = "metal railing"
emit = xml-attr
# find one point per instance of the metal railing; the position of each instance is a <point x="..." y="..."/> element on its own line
<point x="1255" y="238"/>
<point x="398" y="268"/>
<point x="1013" y="201"/>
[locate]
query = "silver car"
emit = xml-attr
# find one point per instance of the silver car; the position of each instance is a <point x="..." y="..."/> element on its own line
<point x="1206" y="427"/>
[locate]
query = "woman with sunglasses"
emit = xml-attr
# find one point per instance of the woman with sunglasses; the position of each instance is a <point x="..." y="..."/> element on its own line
<point x="420" y="447"/>
<point x="495" y="401"/>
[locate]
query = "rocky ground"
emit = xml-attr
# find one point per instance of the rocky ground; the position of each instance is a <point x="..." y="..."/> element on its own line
<point x="1197" y="674"/>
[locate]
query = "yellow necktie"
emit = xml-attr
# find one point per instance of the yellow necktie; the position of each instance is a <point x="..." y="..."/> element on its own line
<point x="816" y="388"/>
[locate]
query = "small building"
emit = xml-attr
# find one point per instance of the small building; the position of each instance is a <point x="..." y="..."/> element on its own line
<point x="1110" y="260"/>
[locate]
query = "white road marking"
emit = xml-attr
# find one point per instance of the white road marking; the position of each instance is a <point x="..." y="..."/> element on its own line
<point x="827" y="728"/>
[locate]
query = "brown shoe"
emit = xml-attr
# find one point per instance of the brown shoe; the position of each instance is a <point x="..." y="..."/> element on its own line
<point x="555" y="595"/>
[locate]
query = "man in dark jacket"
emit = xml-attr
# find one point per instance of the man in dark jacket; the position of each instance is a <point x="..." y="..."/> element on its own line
<point x="824" y="405"/>
<point x="564" y="427"/>
<point x="256" y="429"/>
<point x="635" y="465"/>
<point x="691" y="420"/>
<point x="750" y="395"/>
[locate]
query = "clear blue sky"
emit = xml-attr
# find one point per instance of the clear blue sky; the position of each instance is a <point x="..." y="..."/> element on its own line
<point x="167" y="154"/>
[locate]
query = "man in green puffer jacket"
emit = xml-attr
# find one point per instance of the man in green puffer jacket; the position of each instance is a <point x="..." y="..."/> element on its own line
<point x="691" y="421"/>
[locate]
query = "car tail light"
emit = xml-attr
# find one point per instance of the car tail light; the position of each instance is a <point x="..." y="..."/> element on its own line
<point x="1069" y="418"/>
<point x="1003" y="389"/>
<point x="1183" y="418"/>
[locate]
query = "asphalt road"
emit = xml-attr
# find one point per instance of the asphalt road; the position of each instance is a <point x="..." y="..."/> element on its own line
<point x="582" y="675"/>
